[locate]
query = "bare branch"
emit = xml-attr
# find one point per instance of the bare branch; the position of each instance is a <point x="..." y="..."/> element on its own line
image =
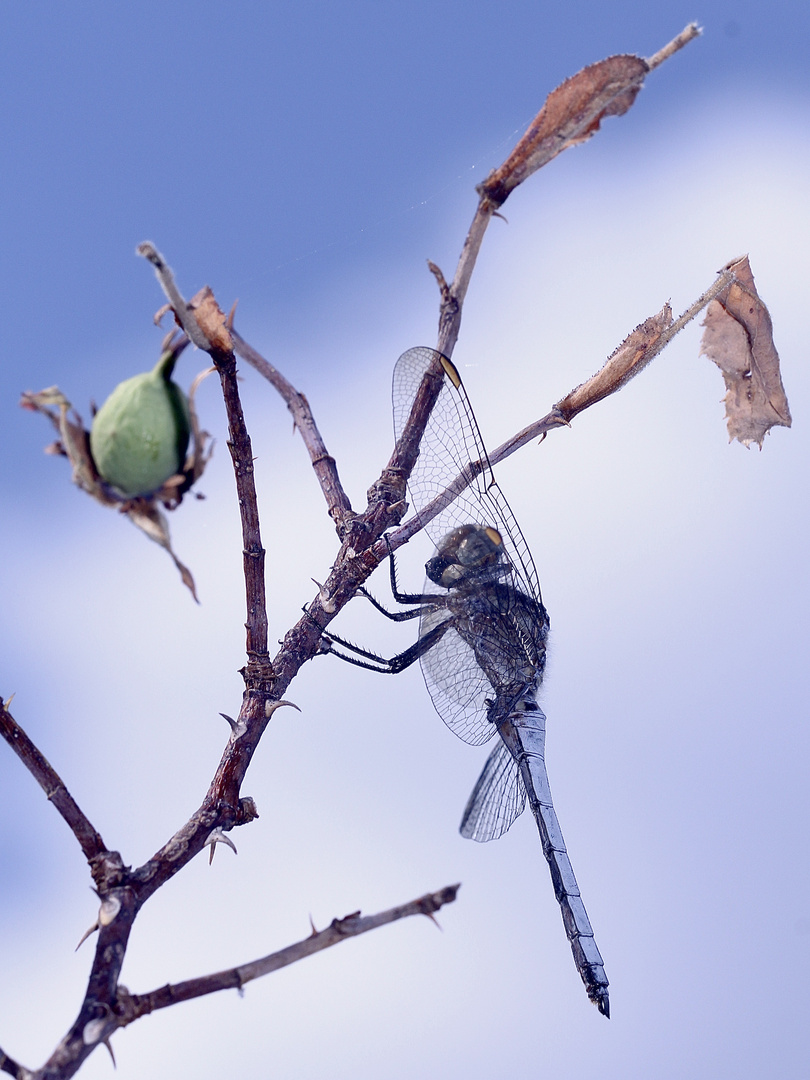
<point x="51" y="783"/>
<point x="340" y="508"/>
<point x="137" y="1005"/>
<point x="10" y="1066"/>
<point x="452" y="301"/>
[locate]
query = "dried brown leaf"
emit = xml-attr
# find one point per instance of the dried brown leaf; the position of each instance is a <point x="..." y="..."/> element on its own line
<point x="570" y="115"/>
<point x="738" y="337"/>
<point x="631" y="357"/>
<point x="211" y="319"/>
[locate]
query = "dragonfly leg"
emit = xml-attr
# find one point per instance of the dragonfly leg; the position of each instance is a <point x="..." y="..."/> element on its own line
<point x="395" y="616"/>
<point x="400" y="597"/>
<point x="374" y="662"/>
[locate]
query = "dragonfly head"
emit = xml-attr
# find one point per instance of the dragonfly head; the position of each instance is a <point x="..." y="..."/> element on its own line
<point x="464" y="552"/>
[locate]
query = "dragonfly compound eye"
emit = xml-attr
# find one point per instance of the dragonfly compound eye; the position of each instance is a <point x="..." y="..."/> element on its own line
<point x="479" y="547"/>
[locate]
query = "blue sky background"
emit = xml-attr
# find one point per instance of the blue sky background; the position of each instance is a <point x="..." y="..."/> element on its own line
<point x="306" y="159"/>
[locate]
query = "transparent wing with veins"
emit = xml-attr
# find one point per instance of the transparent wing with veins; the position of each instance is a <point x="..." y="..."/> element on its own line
<point x="452" y="441"/>
<point x="457" y="683"/>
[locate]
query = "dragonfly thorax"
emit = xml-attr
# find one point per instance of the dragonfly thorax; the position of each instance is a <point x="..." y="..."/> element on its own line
<point x="464" y="552"/>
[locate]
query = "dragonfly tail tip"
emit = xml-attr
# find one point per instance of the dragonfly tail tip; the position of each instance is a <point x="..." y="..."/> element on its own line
<point x="602" y="1001"/>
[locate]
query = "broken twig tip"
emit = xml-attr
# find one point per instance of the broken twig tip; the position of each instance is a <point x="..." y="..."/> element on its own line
<point x="689" y="33"/>
<point x="148" y="251"/>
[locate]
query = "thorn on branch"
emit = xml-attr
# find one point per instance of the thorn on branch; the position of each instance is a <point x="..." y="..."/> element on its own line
<point x="271" y="706"/>
<point x="327" y="602"/>
<point x="217" y="836"/>
<point x="93" y="1031"/>
<point x="110" y="906"/>
<point x="238" y="727"/>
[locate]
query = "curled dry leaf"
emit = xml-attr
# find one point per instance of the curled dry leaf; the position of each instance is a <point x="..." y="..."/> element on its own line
<point x="144" y="511"/>
<point x="631" y="357"/>
<point x="738" y="337"/>
<point x="211" y="319"/>
<point x="570" y="115"/>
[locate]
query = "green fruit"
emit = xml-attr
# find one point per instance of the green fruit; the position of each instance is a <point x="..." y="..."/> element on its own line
<point x="140" y="434"/>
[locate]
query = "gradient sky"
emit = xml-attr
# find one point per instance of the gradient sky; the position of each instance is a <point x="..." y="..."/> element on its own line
<point x="307" y="159"/>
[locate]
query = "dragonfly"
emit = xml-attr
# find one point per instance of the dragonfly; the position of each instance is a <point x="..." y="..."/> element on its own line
<point x="482" y="634"/>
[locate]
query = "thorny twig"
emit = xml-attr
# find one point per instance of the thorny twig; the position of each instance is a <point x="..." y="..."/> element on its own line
<point x="137" y="1005"/>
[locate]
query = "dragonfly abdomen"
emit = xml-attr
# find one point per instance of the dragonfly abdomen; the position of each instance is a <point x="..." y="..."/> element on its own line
<point x="524" y="733"/>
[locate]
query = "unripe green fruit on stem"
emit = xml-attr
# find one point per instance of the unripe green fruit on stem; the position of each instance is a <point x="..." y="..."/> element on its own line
<point x="140" y="434"/>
